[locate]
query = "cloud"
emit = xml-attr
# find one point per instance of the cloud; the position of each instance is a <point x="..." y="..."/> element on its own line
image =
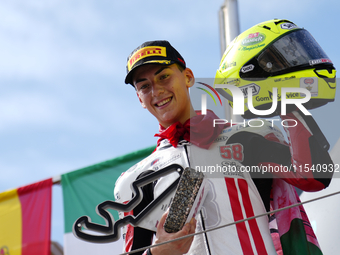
<point x="31" y="109"/>
<point x="39" y="45"/>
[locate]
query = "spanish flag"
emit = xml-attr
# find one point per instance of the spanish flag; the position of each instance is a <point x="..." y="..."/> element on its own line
<point x="25" y="220"/>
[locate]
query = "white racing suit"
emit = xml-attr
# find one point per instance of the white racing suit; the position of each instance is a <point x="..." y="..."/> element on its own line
<point x="254" y="156"/>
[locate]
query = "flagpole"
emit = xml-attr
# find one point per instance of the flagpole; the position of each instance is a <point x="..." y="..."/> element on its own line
<point x="229" y="29"/>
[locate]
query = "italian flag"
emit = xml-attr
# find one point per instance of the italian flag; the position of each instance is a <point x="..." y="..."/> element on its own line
<point x="83" y="190"/>
<point x="25" y="220"/>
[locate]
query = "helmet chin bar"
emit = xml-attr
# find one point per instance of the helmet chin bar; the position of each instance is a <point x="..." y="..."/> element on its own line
<point x="110" y="232"/>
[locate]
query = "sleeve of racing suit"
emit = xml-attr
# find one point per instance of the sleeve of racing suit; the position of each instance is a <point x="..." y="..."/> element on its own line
<point x="299" y="163"/>
<point x="309" y="166"/>
<point x="136" y="237"/>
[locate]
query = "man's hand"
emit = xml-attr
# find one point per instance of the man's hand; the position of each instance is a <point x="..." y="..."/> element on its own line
<point x="174" y="248"/>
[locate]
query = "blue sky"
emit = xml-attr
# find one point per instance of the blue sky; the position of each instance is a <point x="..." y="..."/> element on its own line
<point x="63" y="101"/>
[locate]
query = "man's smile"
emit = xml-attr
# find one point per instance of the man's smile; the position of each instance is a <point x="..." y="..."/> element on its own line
<point x="163" y="102"/>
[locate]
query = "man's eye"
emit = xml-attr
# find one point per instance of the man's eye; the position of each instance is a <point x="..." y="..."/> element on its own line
<point x="164" y="76"/>
<point x="144" y="86"/>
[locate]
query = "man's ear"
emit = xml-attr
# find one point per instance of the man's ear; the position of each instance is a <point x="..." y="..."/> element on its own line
<point x="190" y="78"/>
<point x="140" y="100"/>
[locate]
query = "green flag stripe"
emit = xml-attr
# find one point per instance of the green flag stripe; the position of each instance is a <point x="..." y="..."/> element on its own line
<point x="294" y="242"/>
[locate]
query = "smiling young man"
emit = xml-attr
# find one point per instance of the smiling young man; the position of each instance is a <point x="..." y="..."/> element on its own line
<point x="162" y="81"/>
<point x="162" y="86"/>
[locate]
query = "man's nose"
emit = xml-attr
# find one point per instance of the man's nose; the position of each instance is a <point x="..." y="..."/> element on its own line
<point x="157" y="89"/>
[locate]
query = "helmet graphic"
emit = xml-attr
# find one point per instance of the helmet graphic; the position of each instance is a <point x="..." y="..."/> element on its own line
<point x="276" y="54"/>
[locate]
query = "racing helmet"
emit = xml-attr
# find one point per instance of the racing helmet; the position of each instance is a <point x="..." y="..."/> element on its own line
<point x="276" y="54"/>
